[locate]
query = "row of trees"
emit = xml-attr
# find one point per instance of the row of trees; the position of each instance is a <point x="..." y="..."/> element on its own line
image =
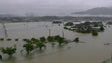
<point x="8" y="39"/>
<point x="39" y="44"/>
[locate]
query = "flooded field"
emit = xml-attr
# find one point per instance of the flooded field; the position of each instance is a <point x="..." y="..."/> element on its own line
<point x="92" y="50"/>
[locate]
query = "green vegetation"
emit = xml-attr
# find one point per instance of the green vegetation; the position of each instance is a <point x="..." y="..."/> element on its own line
<point x="35" y="44"/>
<point x="94" y="33"/>
<point x="69" y="24"/>
<point x="40" y="45"/>
<point x="1" y="39"/>
<point x="50" y="39"/>
<point x="102" y="28"/>
<point x="76" y="39"/>
<point x="9" y="50"/>
<point x="9" y="39"/>
<point x="16" y="39"/>
<point x="87" y="27"/>
<point x="25" y="39"/>
<point x="59" y="40"/>
<point x="42" y="39"/>
<point x="28" y="47"/>
<point x="34" y="40"/>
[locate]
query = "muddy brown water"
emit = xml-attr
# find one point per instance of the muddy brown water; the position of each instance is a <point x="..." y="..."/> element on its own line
<point x="92" y="50"/>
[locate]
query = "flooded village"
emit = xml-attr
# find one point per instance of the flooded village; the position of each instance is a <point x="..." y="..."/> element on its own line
<point x="54" y="39"/>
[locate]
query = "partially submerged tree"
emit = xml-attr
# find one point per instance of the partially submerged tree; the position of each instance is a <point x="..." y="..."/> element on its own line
<point x="51" y="40"/>
<point x="16" y="39"/>
<point x="9" y="50"/>
<point x="40" y="45"/>
<point x="102" y="28"/>
<point x="94" y="33"/>
<point x="56" y="37"/>
<point x="1" y="39"/>
<point x="25" y="39"/>
<point x="28" y="47"/>
<point x="28" y="41"/>
<point x="9" y="39"/>
<point x="34" y="40"/>
<point x="42" y="39"/>
<point x="76" y="39"/>
<point x="59" y="40"/>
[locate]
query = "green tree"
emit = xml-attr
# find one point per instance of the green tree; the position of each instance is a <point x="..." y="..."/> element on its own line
<point x="25" y="39"/>
<point x="56" y="37"/>
<point x="16" y="39"/>
<point x="1" y="39"/>
<point x="42" y="39"/>
<point x="59" y="40"/>
<point x="28" y="47"/>
<point x="102" y="28"/>
<point x="9" y="50"/>
<point x="40" y="45"/>
<point x="76" y="39"/>
<point x="34" y="41"/>
<point x="94" y="33"/>
<point x="50" y="39"/>
<point x="9" y="39"/>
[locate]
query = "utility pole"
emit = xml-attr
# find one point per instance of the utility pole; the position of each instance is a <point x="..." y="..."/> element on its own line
<point x="62" y="33"/>
<point x="5" y="30"/>
<point x="49" y="32"/>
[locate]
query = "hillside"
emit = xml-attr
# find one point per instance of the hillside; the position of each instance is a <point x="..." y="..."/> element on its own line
<point x="96" y="11"/>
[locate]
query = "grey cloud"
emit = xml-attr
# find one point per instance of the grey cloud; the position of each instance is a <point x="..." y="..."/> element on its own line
<point x="49" y="7"/>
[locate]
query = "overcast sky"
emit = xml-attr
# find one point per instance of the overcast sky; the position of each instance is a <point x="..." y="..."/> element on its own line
<point x="49" y="7"/>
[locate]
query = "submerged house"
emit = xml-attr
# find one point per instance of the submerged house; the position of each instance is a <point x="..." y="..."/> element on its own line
<point x="82" y="28"/>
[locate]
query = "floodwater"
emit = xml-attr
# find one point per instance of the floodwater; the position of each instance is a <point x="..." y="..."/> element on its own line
<point x="91" y="50"/>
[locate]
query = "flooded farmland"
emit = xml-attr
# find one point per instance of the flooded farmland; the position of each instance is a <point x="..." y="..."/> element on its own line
<point x="91" y="50"/>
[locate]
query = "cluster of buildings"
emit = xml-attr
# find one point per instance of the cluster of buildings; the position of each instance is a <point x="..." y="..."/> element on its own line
<point x="88" y="27"/>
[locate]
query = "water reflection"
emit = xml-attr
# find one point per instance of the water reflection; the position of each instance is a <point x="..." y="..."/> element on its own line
<point x="11" y="59"/>
<point x="29" y="57"/>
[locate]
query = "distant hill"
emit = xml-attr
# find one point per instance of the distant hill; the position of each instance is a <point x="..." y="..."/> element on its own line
<point x="96" y="11"/>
